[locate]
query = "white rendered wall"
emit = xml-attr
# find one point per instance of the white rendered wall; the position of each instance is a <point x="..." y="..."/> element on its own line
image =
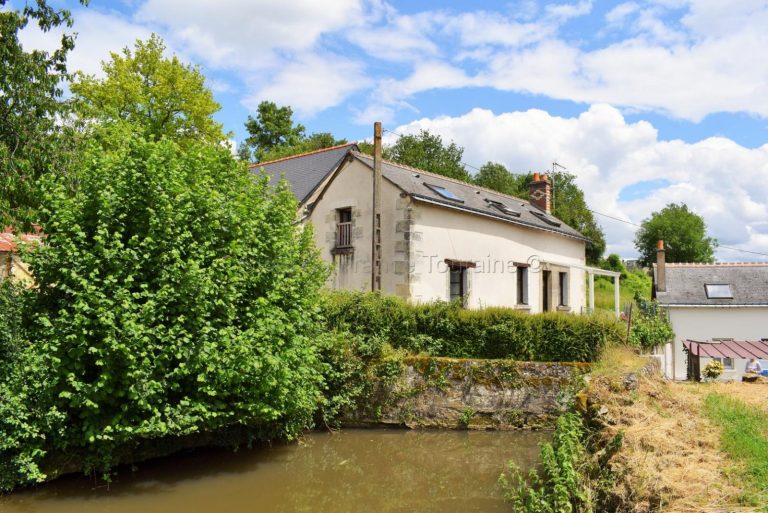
<point x="704" y="324"/>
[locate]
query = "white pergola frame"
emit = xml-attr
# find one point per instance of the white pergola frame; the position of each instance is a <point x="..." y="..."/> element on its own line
<point x="591" y="272"/>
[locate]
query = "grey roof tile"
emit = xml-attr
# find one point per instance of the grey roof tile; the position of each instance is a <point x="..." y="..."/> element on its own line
<point x="471" y="198"/>
<point x="685" y="283"/>
<point x="306" y="171"/>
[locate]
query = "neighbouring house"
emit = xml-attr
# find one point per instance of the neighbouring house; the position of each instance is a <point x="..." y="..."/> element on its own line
<point x="441" y="239"/>
<point x="719" y="310"/>
<point x="11" y="265"/>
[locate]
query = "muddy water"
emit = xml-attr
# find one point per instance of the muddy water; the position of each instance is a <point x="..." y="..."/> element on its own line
<point x="368" y="471"/>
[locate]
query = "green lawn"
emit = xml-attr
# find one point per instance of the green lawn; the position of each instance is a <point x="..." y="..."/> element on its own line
<point x="634" y="282"/>
<point x="745" y="440"/>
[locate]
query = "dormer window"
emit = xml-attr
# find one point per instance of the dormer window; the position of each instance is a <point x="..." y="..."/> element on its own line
<point x="445" y="193"/>
<point x="501" y="207"/>
<point x="718" y="291"/>
<point x="546" y="218"/>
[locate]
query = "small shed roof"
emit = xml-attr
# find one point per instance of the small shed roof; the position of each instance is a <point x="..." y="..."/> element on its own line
<point x="729" y="349"/>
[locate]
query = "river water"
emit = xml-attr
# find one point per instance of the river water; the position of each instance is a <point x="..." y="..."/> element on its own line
<point x="352" y="471"/>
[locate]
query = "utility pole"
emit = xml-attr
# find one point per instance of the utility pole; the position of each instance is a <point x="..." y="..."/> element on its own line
<point x="376" y="232"/>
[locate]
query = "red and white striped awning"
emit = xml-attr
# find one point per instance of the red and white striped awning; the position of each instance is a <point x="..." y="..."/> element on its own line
<point x="728" y="349"/>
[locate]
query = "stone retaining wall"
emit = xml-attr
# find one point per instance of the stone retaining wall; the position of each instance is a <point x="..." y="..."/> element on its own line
<point x="452" y="393"/>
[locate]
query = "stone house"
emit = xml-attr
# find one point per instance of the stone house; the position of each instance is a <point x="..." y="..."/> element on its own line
<point x="441" y="239"/>
<point x="722" y="308"/>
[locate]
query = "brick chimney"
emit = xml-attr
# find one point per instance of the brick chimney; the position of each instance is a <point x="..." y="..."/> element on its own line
<point x="541" y="192"/>
<point x="661" y="272"/>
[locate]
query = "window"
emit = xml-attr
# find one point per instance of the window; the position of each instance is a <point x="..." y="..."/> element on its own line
<point x="718" y="291"/>
<point x="343" y="227"/>
<point x="563" y="288"/>
<point x="727" y="363"/>
<point x="501" y="207"/>
<point x="547" y="219"/>
<point x="458" y="283"/>
<point x="522" y="284"/>
<point x="445" y="193"/>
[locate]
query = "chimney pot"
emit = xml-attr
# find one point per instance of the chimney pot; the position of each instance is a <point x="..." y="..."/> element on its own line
<point x="541" y="192"/>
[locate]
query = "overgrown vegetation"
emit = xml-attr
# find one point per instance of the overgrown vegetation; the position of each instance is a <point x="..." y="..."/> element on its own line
<point x="445" y="329"/>
<point x="745" y="438"/>
<point x="174" y="296"/>
<point x="650" y="325"/>
<point x="573" y="475"/>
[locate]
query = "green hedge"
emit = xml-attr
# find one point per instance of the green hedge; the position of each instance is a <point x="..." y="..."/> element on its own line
<point x="446" y="329"/>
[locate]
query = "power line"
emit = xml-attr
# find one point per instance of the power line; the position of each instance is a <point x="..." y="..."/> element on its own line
<point x="609" y="216"/>
<point x="640" y="226"/>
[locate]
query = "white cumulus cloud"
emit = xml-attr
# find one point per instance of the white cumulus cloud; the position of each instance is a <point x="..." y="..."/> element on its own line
<point x="715" y="177"/>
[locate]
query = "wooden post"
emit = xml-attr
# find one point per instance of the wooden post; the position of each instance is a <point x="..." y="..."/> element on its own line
<point x="376" y="215"/>
<point x="616" y="298"/>
<point x="591" y="293"/>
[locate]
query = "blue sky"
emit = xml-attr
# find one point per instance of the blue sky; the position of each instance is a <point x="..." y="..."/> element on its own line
<point x="646" y="102"/>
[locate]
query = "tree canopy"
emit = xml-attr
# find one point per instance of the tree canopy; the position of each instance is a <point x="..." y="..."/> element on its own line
<point x="32" y="143"/>
<point x="495" y="176"/>
<point x="683" y="232"/>
<point x="161" y="94"/>
<point x="428" y="152"/>
<point x="273" y="135"/>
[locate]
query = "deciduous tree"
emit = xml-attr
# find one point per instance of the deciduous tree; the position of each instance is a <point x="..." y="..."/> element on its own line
<point x="428" y="152"/>
<point x="684" y="233"/>
<point x="164" y="96"/>
<point x="32" y="143"/>
<point x="274" y="135"/>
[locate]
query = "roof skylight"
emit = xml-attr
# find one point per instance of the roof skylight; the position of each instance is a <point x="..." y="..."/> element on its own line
<point x="498" y="205"/>
<point x="718" y="291"/>
<point x="547" y="219"/>
<point x="445" y="193"/>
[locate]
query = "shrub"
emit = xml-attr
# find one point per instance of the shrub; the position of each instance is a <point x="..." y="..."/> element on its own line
<point x="175" y="296"/>
<point x="445" y="329"/>
<point x="650" y="325"/>
<point x="713" y="369"/>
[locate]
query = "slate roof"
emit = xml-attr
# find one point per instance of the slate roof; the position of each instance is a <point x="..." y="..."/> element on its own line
<point x="470" y="198"/>
<point x="306" y="171"/>
<point x="685" y="283"/>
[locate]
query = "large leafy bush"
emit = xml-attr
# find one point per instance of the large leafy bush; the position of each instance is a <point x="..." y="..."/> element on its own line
<point x="175" y="295"/>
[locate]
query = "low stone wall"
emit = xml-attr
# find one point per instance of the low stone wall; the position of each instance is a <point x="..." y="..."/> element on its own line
<point x="452" y="393"/>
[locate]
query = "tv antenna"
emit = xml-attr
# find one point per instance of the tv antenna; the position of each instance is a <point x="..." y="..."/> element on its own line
<point x="555" y="165"/>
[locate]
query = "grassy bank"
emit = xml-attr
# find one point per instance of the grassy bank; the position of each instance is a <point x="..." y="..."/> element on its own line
<point x="744" y="438"/>
<point x="687" y="447"/>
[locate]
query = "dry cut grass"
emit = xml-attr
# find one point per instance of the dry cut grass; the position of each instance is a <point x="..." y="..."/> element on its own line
<point x="754" y="394"/>
<point x="670" y="460"/>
